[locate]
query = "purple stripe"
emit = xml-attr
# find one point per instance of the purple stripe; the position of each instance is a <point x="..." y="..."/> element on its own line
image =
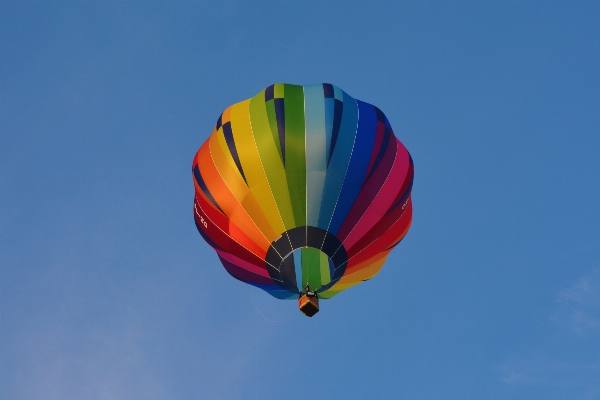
<point x="384" y="146"/>
<point x="369" y="191"/>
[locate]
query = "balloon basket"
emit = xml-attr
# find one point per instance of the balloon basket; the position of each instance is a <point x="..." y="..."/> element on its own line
<point x="308" y="304"/>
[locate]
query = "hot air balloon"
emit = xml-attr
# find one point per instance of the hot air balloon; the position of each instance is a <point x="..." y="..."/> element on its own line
<point x="303" y="191"/>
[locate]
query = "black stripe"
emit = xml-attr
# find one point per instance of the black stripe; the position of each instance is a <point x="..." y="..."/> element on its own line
<point x="270" y="93"/>
<point x="394" y="245"/>
<point x="283" y="272"/>
<point x="328" y="90"/>
<point x="282" y="245"/>
<point x="315" y="237"/>
<point x="380" y="115"/>
<point x="280" y="116"/>
<point x="297" y="237"/>
<point x="204" y="188"/>
<point x="232" y="149"/>
<point x="272" y="261"/>
<point x="337" y="122"/>
<point x="288" y="274"/>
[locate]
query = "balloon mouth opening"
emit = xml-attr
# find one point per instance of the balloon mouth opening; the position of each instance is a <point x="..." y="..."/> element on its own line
<point x="306" y="255"/>
<point x="307" y="267"/>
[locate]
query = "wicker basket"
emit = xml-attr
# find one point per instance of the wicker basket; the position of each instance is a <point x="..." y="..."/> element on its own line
<point x="309" y="305"/>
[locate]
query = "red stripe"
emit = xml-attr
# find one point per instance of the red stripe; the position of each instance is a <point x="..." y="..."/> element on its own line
<point x="381" y="236"/>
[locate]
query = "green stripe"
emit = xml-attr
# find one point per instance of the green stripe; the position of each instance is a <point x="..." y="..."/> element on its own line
<point x="273" y="124"/>
<point x="295" y="154"/>
<point x="324" y="266"/>
<point x="311" y="274"/>
<point x="279" y="90"/>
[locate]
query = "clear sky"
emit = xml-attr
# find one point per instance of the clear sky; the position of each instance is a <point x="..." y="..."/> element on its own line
<point x="108" y="291"/>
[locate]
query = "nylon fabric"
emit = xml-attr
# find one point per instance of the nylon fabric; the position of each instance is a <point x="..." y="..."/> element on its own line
<point x="302" y="185"/>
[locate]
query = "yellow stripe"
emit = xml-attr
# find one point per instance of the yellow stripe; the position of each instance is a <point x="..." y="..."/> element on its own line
<point x="270" y="159"/>
<point x="324" y="266"/>
<point x="226" y="167"/>
<point x="362" y="274"/>
<point x="236" y="185"/>
<point x="251" y="164"/>
<point x="329" y="293"/>
<point x="354" y="278"/>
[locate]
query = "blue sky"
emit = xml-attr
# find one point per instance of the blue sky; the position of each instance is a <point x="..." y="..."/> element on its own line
<point x="108" y="292"/>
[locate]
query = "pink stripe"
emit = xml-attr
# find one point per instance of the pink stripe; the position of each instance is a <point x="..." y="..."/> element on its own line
<point x="369" y="190"/>
<point x="243" y="264"/>
<point x="384" y="199"/>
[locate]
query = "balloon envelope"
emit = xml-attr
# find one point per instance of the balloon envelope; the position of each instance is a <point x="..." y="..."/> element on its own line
<point x="302" y="185"/>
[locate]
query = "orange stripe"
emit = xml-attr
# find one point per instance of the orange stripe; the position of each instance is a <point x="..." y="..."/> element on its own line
<point x="226" y="242"/>
<point x="238" y="188"/>
<point x="226" y="200"/>
<point x="226" y="115"/>
<point x="229" y="173"/>
<point x="365" y="270"/>
<point x="225" y="225"/>
<point x="353" y="268"/>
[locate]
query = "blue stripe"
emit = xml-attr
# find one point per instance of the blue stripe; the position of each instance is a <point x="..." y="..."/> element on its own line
<point x="338" y="109"/>
<point x="316" y="154"/>
<point x="359" y="164"/>
<point x="275" y="291"/>
<point x="329" y="111"/>
<point x="336" y="169"/>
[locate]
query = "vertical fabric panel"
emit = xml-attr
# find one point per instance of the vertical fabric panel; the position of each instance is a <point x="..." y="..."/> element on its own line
<point x="338" y="164"/>
<point x="227" y="169"/>
<point x="316" y="151"/>
<point x="253" y="169"/>
<point x="324" y="267"/>
<point x="369" y="191"/>
<point x="271" y="163"/>
<point x="295" y="156"/>
<point x="227" y="201"/>
<point x="298" y="267"/>
<point x="271" y="115"/>
<point x="329" y="110"/>
<point x="384" y="199"/>
<point x="311" y="268"/>
<point x="359" y="163"/>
